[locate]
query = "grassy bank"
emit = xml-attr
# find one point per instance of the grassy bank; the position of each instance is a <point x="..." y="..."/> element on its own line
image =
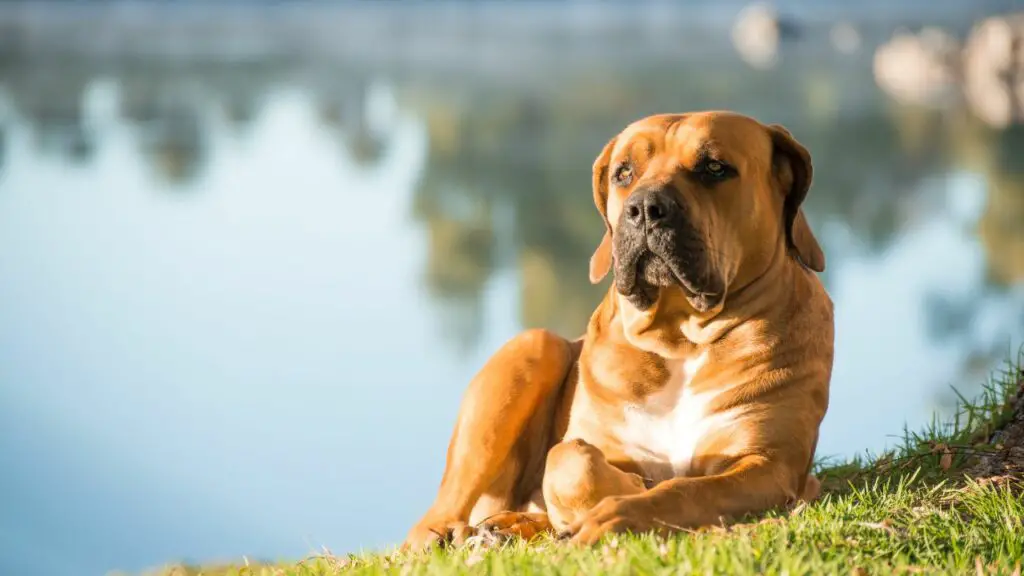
<point x="937" y="504"/>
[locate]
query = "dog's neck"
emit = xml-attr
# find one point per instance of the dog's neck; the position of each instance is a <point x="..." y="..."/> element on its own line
<point x="673" y="329"/>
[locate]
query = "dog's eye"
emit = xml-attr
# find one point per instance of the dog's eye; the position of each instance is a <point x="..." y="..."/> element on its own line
<point x="714" y="171"/>
<point x="623" y="175"/>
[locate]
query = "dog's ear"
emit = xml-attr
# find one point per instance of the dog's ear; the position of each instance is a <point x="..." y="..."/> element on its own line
<point x="793" y="171"/>
<point x="601" y="261"/>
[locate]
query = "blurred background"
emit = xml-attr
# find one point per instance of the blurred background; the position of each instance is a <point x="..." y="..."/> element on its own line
<point x="251" y="253"/>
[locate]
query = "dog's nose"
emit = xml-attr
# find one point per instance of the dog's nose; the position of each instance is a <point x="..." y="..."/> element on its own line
<point x="651" y="206"/>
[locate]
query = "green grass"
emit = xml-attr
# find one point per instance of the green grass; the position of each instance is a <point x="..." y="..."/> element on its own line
<point x="906" y="511"/>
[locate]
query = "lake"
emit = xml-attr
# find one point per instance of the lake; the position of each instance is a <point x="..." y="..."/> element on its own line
<point x="250" y="257"/>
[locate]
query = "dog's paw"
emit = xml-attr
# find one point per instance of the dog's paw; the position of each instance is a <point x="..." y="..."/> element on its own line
<point x="427" y="534"/>
<point x="612" y="515"/>
<point x="507" y="525"/>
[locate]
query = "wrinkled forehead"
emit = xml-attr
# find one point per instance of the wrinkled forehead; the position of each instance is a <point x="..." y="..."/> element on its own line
<point x="732" y="138"/>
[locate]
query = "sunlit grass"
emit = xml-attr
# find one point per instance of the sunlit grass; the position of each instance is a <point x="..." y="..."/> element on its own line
<point x="907" y="510"/>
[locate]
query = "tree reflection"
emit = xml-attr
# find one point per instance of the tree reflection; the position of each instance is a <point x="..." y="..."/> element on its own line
<point x="1001" y="228"/>
<point x="343" y="110"/>
<point x="460" y="253"/>
<point x="507" y="184"/>
<point x="175" y="144"/>
<point x="59" y="131"/>
<point x="533" y="154"/>
<point x="498" y="159"/>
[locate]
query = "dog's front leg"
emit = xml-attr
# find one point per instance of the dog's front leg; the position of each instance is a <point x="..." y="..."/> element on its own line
<point x="753" y="484"/>
<point x="503" y="427"/>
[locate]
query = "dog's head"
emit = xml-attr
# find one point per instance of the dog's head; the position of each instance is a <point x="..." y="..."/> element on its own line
<point x="698" y="204"/>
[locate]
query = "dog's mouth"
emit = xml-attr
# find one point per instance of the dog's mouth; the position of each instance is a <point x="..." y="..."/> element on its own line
<point x="647" y="263"/>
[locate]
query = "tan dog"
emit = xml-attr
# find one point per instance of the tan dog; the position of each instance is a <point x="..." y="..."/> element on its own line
<point x="697" y="393"/>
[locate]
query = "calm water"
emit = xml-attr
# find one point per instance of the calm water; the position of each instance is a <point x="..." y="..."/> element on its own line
<point x="240" y="295"/>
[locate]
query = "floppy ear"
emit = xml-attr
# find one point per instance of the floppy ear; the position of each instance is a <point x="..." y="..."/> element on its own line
<point x="791" y="163"/>
<point x="601" y="261"/>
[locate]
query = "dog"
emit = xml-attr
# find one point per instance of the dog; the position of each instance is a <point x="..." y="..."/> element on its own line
<point x="696" y="396"/>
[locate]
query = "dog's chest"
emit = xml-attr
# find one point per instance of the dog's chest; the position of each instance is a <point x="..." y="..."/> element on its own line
<point x="664" y="432"/>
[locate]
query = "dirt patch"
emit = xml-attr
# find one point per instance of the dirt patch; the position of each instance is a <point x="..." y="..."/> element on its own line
<point x="1004" y="465"/>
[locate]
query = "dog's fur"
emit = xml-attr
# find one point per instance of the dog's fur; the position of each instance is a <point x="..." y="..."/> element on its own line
<point x="696" y="394"/>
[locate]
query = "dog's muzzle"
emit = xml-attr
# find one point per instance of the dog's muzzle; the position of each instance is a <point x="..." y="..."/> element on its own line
<point x="656" y="246"/>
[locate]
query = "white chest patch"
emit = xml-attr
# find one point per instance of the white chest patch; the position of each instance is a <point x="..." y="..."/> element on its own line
<point x="663" y="432"/>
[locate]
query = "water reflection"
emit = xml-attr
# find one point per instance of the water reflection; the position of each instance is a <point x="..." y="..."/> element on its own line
<point x="206" y="270"/>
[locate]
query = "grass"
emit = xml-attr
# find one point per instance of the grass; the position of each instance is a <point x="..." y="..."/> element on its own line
<point x="909" y="510"/>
